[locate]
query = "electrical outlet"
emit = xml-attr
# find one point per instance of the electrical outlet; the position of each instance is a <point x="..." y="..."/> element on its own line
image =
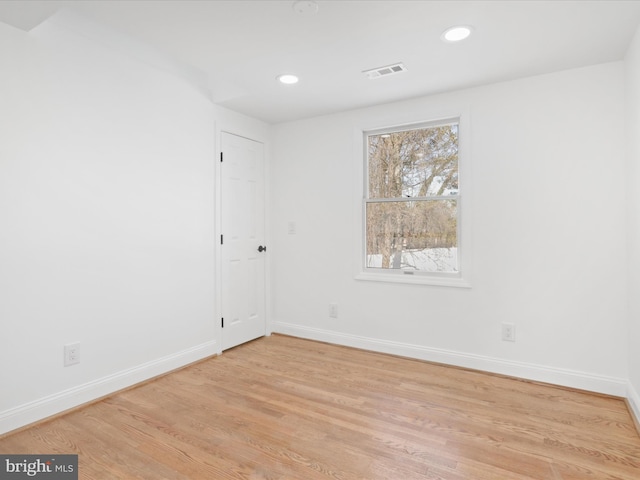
<point x="508" y="332"/>
<point x="333" y="310"/>
<point x="71" y="354"/>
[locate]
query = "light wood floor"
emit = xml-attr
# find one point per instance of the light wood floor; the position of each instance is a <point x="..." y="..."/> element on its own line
<point x="286" y="408"/>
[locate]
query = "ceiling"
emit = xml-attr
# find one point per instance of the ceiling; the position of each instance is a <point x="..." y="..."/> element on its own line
<point x="243" y="45"/>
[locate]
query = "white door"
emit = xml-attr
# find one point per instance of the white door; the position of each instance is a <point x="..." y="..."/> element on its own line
<point x="243" y="250"/>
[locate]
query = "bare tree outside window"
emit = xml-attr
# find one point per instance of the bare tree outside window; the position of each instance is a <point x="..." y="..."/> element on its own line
<point x="412" y="199"/>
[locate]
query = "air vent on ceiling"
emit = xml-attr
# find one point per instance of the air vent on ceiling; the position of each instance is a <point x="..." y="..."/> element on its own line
<point x="385" y="71"/>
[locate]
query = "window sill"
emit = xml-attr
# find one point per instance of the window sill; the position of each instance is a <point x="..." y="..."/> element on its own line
<point x="438" y="281"/>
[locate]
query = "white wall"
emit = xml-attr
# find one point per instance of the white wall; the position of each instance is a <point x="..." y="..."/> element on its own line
<point x="547" y="213"/>
<point x="632" y="62"/>
<point x="107" y="230"/>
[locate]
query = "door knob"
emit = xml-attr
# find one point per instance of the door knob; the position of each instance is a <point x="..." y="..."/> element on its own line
<point x="262" y="249"/>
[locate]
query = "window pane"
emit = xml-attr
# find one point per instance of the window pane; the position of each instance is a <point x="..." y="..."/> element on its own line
<point x="413" y="235"/>
<point x="413" y="163"/>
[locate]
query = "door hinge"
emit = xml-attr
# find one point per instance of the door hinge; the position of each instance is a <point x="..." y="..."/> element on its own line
<point x="221" y="239"/>
<point x="222" y="322"/>
<point x="221" y="157"/>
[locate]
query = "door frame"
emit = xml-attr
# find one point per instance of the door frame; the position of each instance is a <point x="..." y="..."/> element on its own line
<point x="257" y="135"/>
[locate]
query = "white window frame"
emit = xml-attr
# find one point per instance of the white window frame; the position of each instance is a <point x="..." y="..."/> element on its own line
<point x="445" y="279"/>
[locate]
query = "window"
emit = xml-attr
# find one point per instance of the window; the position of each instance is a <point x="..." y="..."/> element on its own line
<point x="412" y="200"/>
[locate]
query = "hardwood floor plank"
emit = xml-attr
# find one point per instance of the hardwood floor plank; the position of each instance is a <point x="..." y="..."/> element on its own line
<point x="287" y="408"/>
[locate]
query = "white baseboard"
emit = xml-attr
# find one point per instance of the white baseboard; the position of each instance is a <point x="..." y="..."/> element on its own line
<point x="556" y="376"/>
<point x="31" y="412"/>
<point x="633" y="400"/>
<point x="59" y="402"/>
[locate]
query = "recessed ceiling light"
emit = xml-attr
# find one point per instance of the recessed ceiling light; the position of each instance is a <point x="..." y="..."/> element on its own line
<point x="287" y="78"/>
<point x="456" y="34"/>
